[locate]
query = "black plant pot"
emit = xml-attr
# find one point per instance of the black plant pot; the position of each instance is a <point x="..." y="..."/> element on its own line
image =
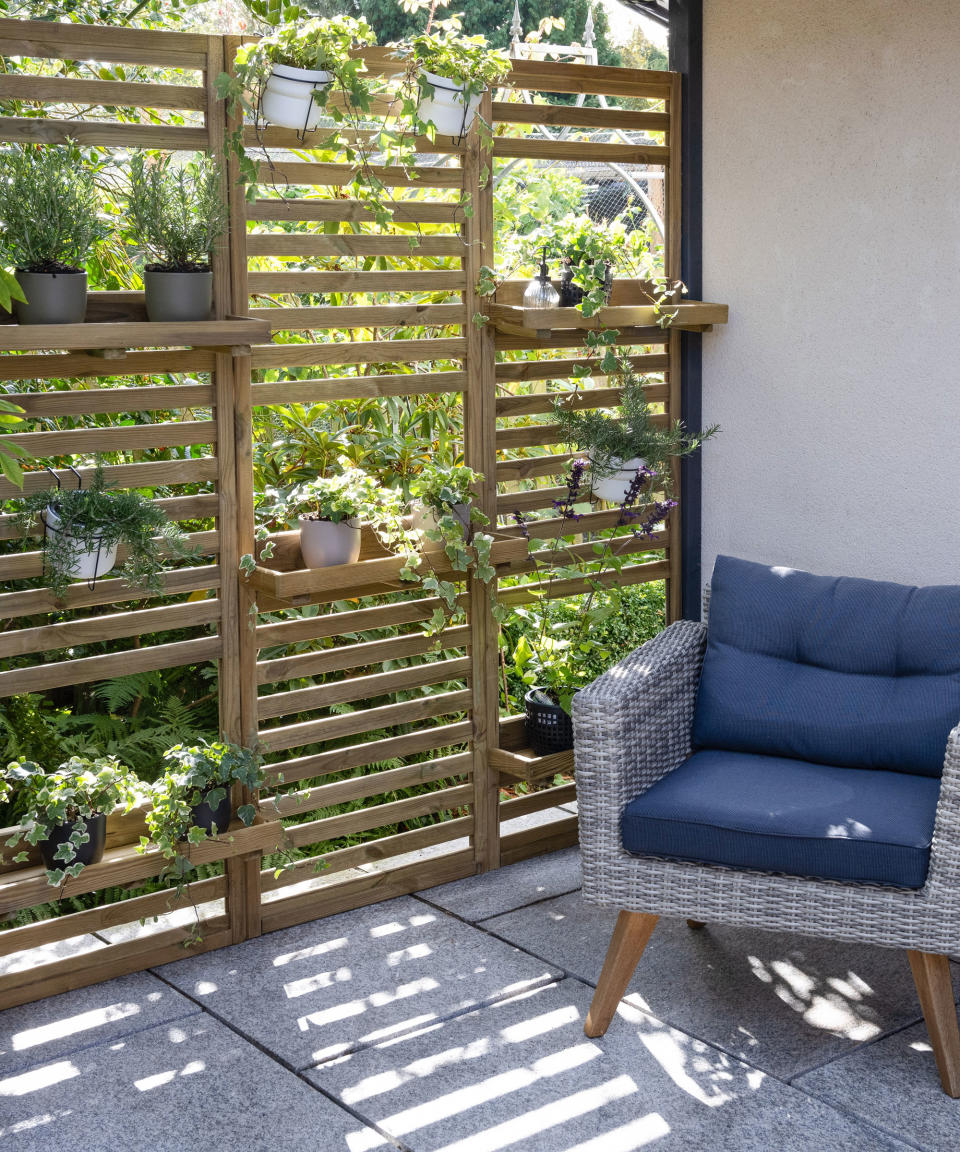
<point x="89" y="853"/>
<point x="572" y="294"/>
<point x="549" y="727"/>
<point x="213" y="820"/>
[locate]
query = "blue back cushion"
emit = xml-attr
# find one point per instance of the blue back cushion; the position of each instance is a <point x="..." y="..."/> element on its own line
<point x="855" y="673"/>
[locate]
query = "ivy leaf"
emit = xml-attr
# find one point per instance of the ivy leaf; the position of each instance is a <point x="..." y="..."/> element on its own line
<point x="246" y="812"/>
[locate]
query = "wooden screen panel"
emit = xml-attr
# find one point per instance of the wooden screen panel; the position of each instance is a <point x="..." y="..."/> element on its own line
<point x="163" y="422"/>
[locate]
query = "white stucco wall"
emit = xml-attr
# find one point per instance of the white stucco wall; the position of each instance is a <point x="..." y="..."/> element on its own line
<point x="832" y="229"/>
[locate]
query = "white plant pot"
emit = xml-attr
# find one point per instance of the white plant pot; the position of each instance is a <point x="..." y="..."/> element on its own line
<point x="323" y="543"/>
<point x="87" y="565"/>
<point x="448" y="110"/>
<point x="287" y="99"/>
<point x="424" y="519"/>
<point x="614" y="488"/>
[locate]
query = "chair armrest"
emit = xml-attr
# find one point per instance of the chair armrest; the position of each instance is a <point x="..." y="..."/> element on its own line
<point x="945" y="852"/>
<point x="632" y="726"/>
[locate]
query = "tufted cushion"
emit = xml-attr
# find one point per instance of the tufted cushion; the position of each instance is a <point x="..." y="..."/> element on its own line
<point x="855" y="673"/>
<point x="779" y="815"/>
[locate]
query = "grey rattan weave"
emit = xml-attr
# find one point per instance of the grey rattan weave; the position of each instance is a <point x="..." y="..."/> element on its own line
<point x="632" y="727"/>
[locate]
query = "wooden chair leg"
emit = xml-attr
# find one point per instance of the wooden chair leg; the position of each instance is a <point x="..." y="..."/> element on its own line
<point x="629" y="939"/>
<point x="931" y="974"/>
<point x="696" y="924"/>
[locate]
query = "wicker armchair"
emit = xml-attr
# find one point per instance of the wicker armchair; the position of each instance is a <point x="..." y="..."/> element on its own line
<point x="633" y="727"/>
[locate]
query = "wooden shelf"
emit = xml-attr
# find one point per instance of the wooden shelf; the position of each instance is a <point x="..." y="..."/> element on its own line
<point x="632" y="305"/>
<point x="287" y="583"/>
<point x="117" y="321"/>
<point x="516" y="762"/>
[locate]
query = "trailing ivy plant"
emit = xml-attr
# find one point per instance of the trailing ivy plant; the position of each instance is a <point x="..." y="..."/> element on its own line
<point x="201" y="773"/>
<point x="176" y="213"/>
<point x="79" y="789"/>
<point x="95" y="517"/>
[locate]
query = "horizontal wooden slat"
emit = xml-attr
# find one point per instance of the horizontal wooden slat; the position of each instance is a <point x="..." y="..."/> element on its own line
<point x="115" y="626"/>
<point x="25" y="565"/>
<point x="555" y="589"/>
<point x="68" y="41"/>
<point x="573" y="337"/>
<point x="88" y="134"/>
<point x="536" y="801"/>
<point x="591" y="79"/>
<point x="379" y="816"/>
<point x="367" y="720"/>
<point x="529" y="435"/>
<point x="362" y="655"/>
<point x="357" y="387"/>
<point x="290" y="139"/>
<point x="352" y="211"/>
<point x="337" y="175"/>
<point x="369" y="888"/>
<point x="43" y="677"/>
<point x="554" y="464"/>
<point x="345" y="316"/>
<point x="58" y="366"/>
<point x="103" y="93"/>
<point x="148" y="474"/>
<point x="373" y="784"/>
<point x="299" y="282"/>
<point x="580" y="151"/>
<point x="109" y="591"/>
<point x="359" y="352"/>
<point x="90" y="401"/>
<point x="539" y="840"/>
<point x="109" y="915"/>
<point x="358" y="688"/>
<point x="369" y="752"/>
<point x="545" y="368"/>
<point x="175" y="508"/>
<point x="303" y="244"/>
<point x="335" y="623"/>
<point x="384" y="848"/>
<point x="84" y="441"/>
<point x="534" y="403"/>
<point x="567" y="116"/>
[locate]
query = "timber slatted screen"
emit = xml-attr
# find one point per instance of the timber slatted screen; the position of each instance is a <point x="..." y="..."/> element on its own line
<point x="349" y="701"/>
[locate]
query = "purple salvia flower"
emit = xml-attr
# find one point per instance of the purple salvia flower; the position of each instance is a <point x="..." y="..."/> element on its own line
<point x="521" y="523"/>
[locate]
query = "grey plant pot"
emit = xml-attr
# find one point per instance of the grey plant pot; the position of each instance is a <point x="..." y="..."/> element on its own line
<point x="52" y="297"/>
<point x="178" y="296"/>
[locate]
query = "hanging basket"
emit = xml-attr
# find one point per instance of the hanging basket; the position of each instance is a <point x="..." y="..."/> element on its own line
<point x="448" y="109"/>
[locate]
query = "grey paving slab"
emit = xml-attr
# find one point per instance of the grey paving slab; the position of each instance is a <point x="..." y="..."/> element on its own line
<point x="47" y="1029"/>
<point x="492" y="893"/>
<point x="784" y="1003"/>
<point x="185" y="1087"/>
<point x="521" y="1075"/>
<point x="322" y="988"/>
<point x="893" y="1083"/>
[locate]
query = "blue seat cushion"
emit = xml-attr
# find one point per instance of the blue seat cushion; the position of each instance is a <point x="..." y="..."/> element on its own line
<point x="857" y="673"/>
<point x="781" y="815"/>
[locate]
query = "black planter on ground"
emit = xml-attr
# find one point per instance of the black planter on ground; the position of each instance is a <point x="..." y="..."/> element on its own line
<point x="206" y="817"/>
<point x="549" y="727"/>
<point x="89" y="853"/>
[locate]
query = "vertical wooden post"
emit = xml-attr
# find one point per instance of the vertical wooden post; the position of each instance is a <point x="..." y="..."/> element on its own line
<point x="480" y="453"/>
<point x="238" y="666"/>
<point x="672" y="224"/>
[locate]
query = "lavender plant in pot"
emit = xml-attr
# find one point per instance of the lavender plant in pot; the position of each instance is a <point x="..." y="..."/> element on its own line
<point x="49" y="217"/>
<point x="177" y="214"/>
<point x="66" y="810"/>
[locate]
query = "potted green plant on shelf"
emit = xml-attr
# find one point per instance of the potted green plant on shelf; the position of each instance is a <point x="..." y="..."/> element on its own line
<point x="442" y="511"/>
<point x="451" y="73"/>
<point x="177" y="214"/>
<point x="329" y="511"/>
<point x="626" y="447"/>
<point x="66" y="810"/>
<point x="191" y="801"/>
<point x="48" y="214"/>
<point x="84" y="528"/>
<point x="590" y="252"/>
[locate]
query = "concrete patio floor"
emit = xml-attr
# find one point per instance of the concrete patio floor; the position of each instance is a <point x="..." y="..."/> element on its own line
<point x="453" y="1020"/>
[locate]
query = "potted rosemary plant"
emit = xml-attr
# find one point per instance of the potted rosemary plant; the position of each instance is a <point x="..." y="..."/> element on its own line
<point x="84" y="527"/>
<point x="625" y="446"/>
<point x="452" y="73"/>
<point x="48" y="213"/>
<point x="287" y="76"/>
<point x="177" y="215"/>
<point x="66" y="810"/>
<point x="191" y="800"/>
